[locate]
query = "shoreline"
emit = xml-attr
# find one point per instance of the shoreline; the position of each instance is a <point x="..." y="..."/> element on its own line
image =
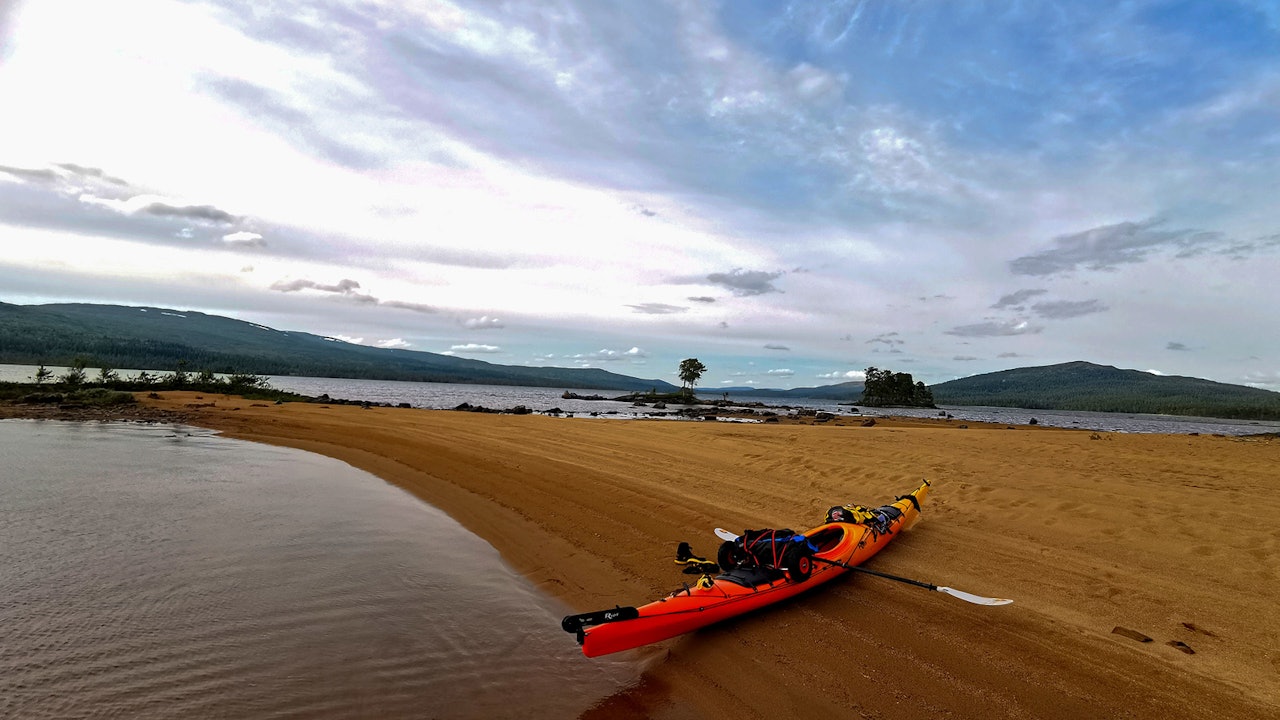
<point x="591" y="510"/>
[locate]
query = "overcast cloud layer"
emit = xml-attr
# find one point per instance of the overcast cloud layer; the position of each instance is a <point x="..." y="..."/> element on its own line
<point x="789" y="192"/>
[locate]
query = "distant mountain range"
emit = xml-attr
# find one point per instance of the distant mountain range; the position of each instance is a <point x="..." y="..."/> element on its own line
<point x="1102" y="388"/>
<point x="149" y="338"/>
<point x="1075" y="386"/>
<point x="840" y="392"/>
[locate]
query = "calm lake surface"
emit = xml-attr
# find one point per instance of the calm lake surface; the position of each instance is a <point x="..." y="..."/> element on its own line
<point x="163" y="572"/>
<point x="444" y="396"/>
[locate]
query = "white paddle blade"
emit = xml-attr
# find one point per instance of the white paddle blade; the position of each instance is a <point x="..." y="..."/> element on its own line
<point x="975" y="599"/>
<point x="725" y="535"/>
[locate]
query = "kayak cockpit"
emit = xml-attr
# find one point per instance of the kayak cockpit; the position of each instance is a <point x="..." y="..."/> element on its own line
<point x="828" y="538"/>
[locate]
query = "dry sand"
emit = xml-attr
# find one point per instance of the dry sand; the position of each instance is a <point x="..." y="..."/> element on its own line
<point x="1175" y="538"/>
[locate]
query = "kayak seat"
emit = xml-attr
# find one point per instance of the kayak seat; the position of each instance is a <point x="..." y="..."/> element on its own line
<point x="750" y="576"/>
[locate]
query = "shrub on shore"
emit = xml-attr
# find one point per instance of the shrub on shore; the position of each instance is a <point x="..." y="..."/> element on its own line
<point x="111" y="388"/>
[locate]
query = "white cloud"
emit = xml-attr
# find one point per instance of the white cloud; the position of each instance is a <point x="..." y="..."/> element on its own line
<point x="484" y="322"/>
<point x="475" y="348"/>
<point x="244" y="238"/>
<point x="845" y="376"/>
<point x="394" y="343"/>
<point x="635" y="355"/>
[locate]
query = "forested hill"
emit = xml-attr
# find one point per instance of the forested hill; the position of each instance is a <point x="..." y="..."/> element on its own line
<point x="1102" y="388"/>
<point x="845" y="392"/>
<point x="148" y="338"/>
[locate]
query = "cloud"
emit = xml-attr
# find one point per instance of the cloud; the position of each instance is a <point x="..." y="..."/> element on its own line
<point x="43" y="175"/>
<point x="207" y="213"/>
<point x="1242" y="249"/>
<point x="244" y="239"/>
<point x="846" y="375"/>
<point x="1262" y="379"/>
<point x="347" y="288"/>
<point x="1015" y="300"/>
<point x="71" y="197"/>
<point x="701" y="299"/>
<point x="964" y="358"/>
<point x="658" y="309"/>
<point x="295" y="124"/>
<point x="1062" y="309"/>
<point x="1008" y="355"/>
<point x="91" y="172"/>
<point x="995" y="328"/>
<point x="474" y="349"/>
<point x="781" y="372"/>
<point x="774" y="346"/>
<point x="812" y="83"/>
<point x="484" y="322"/>
<point x="635" y="354"/>
<point x="161" y="207"/>
<point x="1110" y="246"/>
<point x="746" y="282"/>
<point x="889" y="338"/>
<point x="402" y="305"/>
<point x="344" y="286"/>
<point x="71" y="178"/>
<point x="393" y="343"/>
<point x="346" y="339"/>
<point x="1176" y="346"/>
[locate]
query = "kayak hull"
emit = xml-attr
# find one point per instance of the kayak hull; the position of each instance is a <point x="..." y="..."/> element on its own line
<point x="688" y="609"/>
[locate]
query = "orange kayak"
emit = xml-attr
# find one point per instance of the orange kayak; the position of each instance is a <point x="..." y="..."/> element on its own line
<point x="740" y="590"/>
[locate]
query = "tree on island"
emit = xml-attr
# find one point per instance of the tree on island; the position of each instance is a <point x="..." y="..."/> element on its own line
<point x="690" y="372"/>
<point x="884" y="388"/>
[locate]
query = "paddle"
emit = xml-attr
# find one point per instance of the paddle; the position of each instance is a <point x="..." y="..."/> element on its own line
<point x="962" y="595"/>
<point x="578" y="623"/>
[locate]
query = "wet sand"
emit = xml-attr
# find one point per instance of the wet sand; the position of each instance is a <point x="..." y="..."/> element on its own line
<point x="1171" y="538"/>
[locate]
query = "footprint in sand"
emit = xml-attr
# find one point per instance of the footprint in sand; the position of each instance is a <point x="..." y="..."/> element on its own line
<point x="1175" y="644"/>
<point x="1131" y="634"/>
<point x="1197" y="629"/>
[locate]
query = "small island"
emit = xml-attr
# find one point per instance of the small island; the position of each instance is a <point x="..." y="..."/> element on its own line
<point x="885" y="388"/>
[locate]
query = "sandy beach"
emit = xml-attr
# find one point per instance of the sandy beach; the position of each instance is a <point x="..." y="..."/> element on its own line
<point x="1170" y="538"/>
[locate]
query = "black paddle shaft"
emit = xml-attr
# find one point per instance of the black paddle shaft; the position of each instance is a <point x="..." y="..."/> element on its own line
<point x="887" y="576"/>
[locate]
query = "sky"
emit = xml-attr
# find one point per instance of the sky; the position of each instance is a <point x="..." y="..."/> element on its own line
<point x="789" y="192"/>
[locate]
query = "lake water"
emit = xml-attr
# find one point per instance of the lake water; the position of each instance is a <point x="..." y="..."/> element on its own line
<point x="444" y="396"/>
<point x="154" y="571"/>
